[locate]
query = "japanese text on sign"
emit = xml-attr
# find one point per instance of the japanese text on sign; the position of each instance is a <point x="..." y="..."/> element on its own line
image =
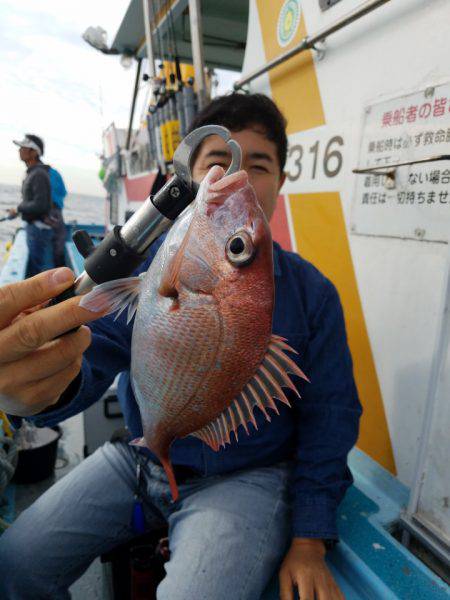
<point x="416" y="112"/>
<point x="412" y="128"/>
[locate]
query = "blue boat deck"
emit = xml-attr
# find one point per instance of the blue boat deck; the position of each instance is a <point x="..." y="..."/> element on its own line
<point x="369" y="562"/>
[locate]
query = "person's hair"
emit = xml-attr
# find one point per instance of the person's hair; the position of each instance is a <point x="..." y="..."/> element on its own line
<point x="238" y="111"/>
<point x="37" y="140"/>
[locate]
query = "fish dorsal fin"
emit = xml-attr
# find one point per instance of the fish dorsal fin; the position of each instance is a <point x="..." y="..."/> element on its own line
<point x="115" y="295"/>
<point x="265" y="385"/>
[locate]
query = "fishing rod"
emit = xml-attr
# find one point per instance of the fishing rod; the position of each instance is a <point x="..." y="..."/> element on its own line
<point x="8" y="218"/>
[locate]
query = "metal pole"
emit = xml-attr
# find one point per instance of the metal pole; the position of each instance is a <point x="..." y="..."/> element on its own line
<point x="195" y="21"/>
<point x="148" y="18"/>
<point x="376" y="171"/>
<point x="133" y="103"/>
<point x="308" y="42"/>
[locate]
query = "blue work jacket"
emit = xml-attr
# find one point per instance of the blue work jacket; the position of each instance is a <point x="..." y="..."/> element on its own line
<point x="316" y="434"/>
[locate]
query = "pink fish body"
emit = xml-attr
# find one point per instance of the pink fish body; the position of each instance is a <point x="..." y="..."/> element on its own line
<point x="203" y="354"/>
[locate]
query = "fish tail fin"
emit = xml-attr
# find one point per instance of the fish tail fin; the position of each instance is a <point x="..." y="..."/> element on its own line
<point x="171" y="477"/>
<point x="113" y="296"/>
<point x="165" y="461"/>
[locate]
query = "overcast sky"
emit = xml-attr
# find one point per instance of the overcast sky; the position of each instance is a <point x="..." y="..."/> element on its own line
<point x="54" y="85"/>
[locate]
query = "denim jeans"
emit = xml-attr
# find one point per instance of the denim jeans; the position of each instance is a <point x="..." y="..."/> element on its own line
<point x="40" y="249"/>
<point x="227" y="534"/>
<point x="59" y="236"/>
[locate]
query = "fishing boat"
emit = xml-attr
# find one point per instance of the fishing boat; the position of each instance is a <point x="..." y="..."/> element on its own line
<point x="365" y="88"/>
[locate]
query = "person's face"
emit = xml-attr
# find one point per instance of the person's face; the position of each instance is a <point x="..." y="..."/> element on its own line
<point x="259" y="159"/>
<point x="26" y="154"/>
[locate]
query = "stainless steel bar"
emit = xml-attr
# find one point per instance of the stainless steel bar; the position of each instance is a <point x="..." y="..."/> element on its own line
<point x="135" y="232"/>
<point x="420" y="532"/>
<point x="195" y="21"/>
<point x="376" y="170"/>
<point x="356" y="14"/>
<point x="309" y="41"/>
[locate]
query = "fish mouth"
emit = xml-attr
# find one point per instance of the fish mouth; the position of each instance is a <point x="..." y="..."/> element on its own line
<point x="221" y="186"/>
<point x="229" y="183"/>
<point x="229" y="204"/>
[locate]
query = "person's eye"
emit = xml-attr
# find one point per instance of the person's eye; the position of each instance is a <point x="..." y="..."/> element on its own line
<point x="219" y="164"/>
<point x="259" y="168"/>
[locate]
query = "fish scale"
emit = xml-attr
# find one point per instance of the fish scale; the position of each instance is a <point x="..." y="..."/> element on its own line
<point x="171" y="374"/>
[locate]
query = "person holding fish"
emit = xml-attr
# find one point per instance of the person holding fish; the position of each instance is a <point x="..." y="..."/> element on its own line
<point x="236" y="386"/>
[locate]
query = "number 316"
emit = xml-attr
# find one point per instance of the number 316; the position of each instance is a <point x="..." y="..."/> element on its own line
<point x="332" y="159"/>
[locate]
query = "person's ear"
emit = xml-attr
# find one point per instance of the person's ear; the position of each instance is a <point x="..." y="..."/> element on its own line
<point x="282" y="180"/>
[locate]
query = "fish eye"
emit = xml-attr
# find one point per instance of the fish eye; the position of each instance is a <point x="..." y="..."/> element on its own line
<point x="240" y="249"/>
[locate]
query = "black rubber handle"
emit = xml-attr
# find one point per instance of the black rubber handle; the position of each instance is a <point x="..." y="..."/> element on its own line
<point x="65" y="295"/>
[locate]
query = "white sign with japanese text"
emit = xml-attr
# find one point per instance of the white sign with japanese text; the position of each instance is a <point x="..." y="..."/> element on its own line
<point x="405" y="129"/>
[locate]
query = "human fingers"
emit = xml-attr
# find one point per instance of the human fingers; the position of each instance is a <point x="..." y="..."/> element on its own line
<point x="46" y="393"/>
<point x="326" y="587"/>
<point x="28" y="311"/>
<point x="328" y="590"/>
<point x="305" y="584"/>
<point x="37" y="396"/>
<point x="46" y="361"/>
<point x="27" y="334"/>
<point x="17" y="297"/>
<point x="285" y="581"/>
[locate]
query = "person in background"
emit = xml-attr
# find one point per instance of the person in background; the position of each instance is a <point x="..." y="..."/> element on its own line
<point x="59" y="192"/>
<point x="36" y="205"/>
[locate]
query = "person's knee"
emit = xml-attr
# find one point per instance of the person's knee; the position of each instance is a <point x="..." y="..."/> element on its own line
<point x="14" y="562"/>
<point x="25" y="569"/>
<point x="192" y="584"/>
<point x="176" y="589"/>
<point x="6" y="556"/>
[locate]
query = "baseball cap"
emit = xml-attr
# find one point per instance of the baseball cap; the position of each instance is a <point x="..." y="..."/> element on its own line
<point x="33" y="142"/>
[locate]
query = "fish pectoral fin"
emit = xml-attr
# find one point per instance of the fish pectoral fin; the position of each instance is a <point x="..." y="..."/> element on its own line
<point x="169" y="284"/>
<point x="167" y="287"/>
<point x="265" y="385"/>
<point x="202" y="278"/>
<point x="115" y="295"/>
<point x="140" y="442"/>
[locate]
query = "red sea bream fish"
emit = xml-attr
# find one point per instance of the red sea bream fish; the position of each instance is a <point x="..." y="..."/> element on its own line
<point x="203" y="352"/>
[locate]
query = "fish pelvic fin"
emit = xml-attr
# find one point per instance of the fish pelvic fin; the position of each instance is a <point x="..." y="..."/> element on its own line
<point x="265" y="385"/>
<point x="171" y="477"/>
<point x="115" y="296"/>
